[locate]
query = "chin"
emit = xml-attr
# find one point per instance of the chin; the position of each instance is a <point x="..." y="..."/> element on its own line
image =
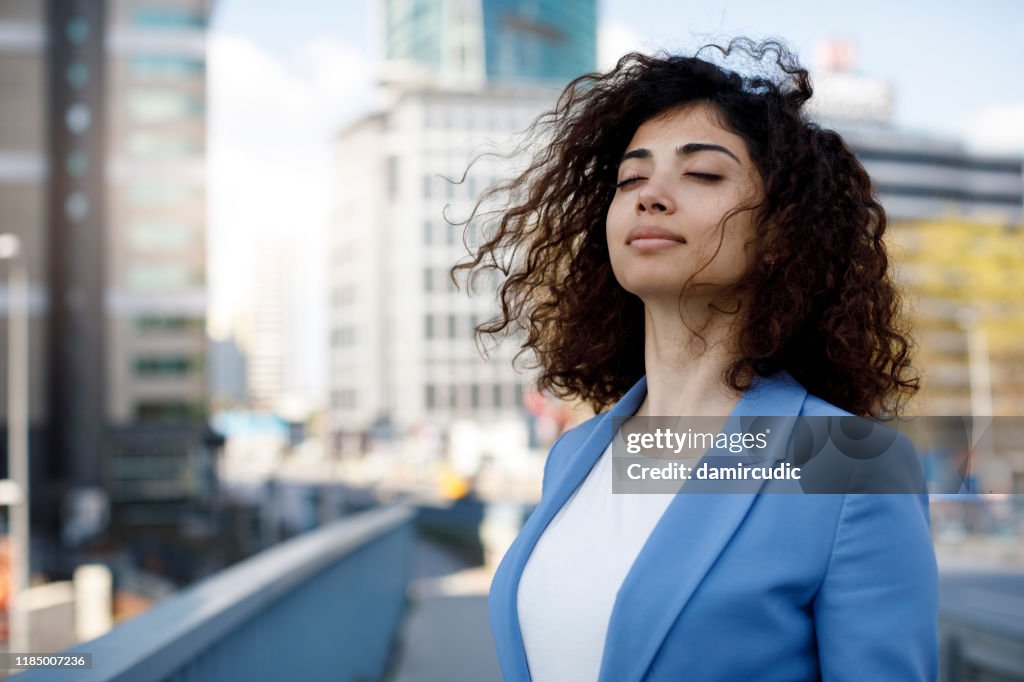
<point x="651" y="279"/>
<point x="668" y="290"/>
<point x="646" y="288"/>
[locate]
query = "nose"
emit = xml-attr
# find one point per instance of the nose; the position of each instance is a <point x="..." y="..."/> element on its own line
<point x="653" y="198"/>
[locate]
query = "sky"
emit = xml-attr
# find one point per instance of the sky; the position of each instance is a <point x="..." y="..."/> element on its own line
<point x="284" y="77"/>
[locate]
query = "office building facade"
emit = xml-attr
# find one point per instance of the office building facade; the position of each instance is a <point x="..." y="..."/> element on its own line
<point x="102" y="175"/>
<point x="402" y="348"/>
<point x="475" y="41"/>
<point x="460" y="74"/>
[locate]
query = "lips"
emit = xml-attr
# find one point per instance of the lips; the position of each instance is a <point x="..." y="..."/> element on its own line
<point x="648" y="232"/>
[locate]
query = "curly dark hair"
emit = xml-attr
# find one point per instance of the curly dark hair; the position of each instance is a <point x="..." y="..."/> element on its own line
<point x="827" y="311"/>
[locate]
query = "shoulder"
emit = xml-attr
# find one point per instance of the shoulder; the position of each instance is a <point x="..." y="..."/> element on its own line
<point x="882" y="457"/>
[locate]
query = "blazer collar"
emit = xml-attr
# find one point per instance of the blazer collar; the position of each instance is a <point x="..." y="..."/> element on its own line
<point x="666" y="572"/>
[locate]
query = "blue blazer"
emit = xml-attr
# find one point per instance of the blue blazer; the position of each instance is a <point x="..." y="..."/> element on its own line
<point x="742" y="586"/>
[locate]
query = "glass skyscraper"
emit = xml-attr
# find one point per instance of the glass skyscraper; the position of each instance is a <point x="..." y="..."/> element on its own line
<point x="539" y="39"/>
<point x="493" y="40"/>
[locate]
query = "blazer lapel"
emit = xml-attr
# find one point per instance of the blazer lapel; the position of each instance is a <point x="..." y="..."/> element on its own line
<point x="670" y="567"/>
<point x="562" y="488"/>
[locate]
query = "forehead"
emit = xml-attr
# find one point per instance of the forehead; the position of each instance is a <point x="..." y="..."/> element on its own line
<point x="692" y="123"/>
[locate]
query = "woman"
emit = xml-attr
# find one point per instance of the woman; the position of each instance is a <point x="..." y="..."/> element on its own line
<point x="686" y="242"/>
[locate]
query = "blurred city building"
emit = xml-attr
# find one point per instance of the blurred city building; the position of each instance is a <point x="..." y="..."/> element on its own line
<point x="473" y="42"/>
<point x="917" y="176"/>
<point x="402" y="348"/>
<point x="956" y="232"/>
<point x="227" y="376"/>
<point x="102" y="175"/>
<point x="965" y="281"/>
<point x="459" y="76"/>
<point x="263" y="331"/>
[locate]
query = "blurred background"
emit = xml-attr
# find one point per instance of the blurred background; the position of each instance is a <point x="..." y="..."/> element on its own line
<point x="239" y="384"/>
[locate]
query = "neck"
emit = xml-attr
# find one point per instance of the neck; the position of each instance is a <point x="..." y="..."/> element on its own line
<point x="685" y="365"/>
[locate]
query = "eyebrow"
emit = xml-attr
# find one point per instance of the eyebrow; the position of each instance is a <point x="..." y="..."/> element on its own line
<point x="686" y="149"/>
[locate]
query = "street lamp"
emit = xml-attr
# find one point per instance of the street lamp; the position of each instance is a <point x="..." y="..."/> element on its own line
<point x="17" y="439"/>
<point x="979" y="364"/>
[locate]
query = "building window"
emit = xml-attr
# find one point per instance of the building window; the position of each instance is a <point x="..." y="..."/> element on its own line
<point x="165" y="365"/>
<point x="156" y="276"/>
<point x="161" y="67"/>
<point x="149" y="106"/>
<point x="161" y="237"/>
<point x="428" y="233"/>
<point x="162" y="194"/>
<point x="152" y="411"/>
<point x="452" y="326"/>
<point x="161" y="325"/>
<point x="428" y="279"/>
<point x="77" y="30"/>
<point x="428" y="326"/>
<point x="496" y="392"/>
<point x="77" y="75"/>
<point x="162" y="145"/>
<point x="474" y="396"/>
<point x="343" y="336"/>
<point x="76" y="206"/>
<point x="76" y="163"/>
<point x="343" y="295"/>
<point x="431" y="396"/>
<point x="167" y="17"/>
<point x="78" y="118"/>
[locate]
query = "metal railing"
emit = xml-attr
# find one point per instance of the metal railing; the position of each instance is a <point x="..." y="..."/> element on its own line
<point x="323" y="606"/>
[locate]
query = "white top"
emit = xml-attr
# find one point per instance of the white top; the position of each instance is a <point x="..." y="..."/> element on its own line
<point x="570" y="581"/>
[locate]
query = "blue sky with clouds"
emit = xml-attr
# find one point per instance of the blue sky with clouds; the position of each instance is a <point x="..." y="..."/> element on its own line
<point x="954" y="65"/>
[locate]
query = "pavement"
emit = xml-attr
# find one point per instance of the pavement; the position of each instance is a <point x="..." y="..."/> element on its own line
<point x="446" y="636"/>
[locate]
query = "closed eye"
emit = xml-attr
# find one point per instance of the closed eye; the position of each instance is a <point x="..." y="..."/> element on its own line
<point x="628" y="181"/>
<point x="705" y="176"/>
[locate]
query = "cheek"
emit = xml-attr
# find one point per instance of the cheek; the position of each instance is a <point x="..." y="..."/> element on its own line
<point x="616" y="229"/>
<point x="738" y="247"/>
<point x="614" y="217"/>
